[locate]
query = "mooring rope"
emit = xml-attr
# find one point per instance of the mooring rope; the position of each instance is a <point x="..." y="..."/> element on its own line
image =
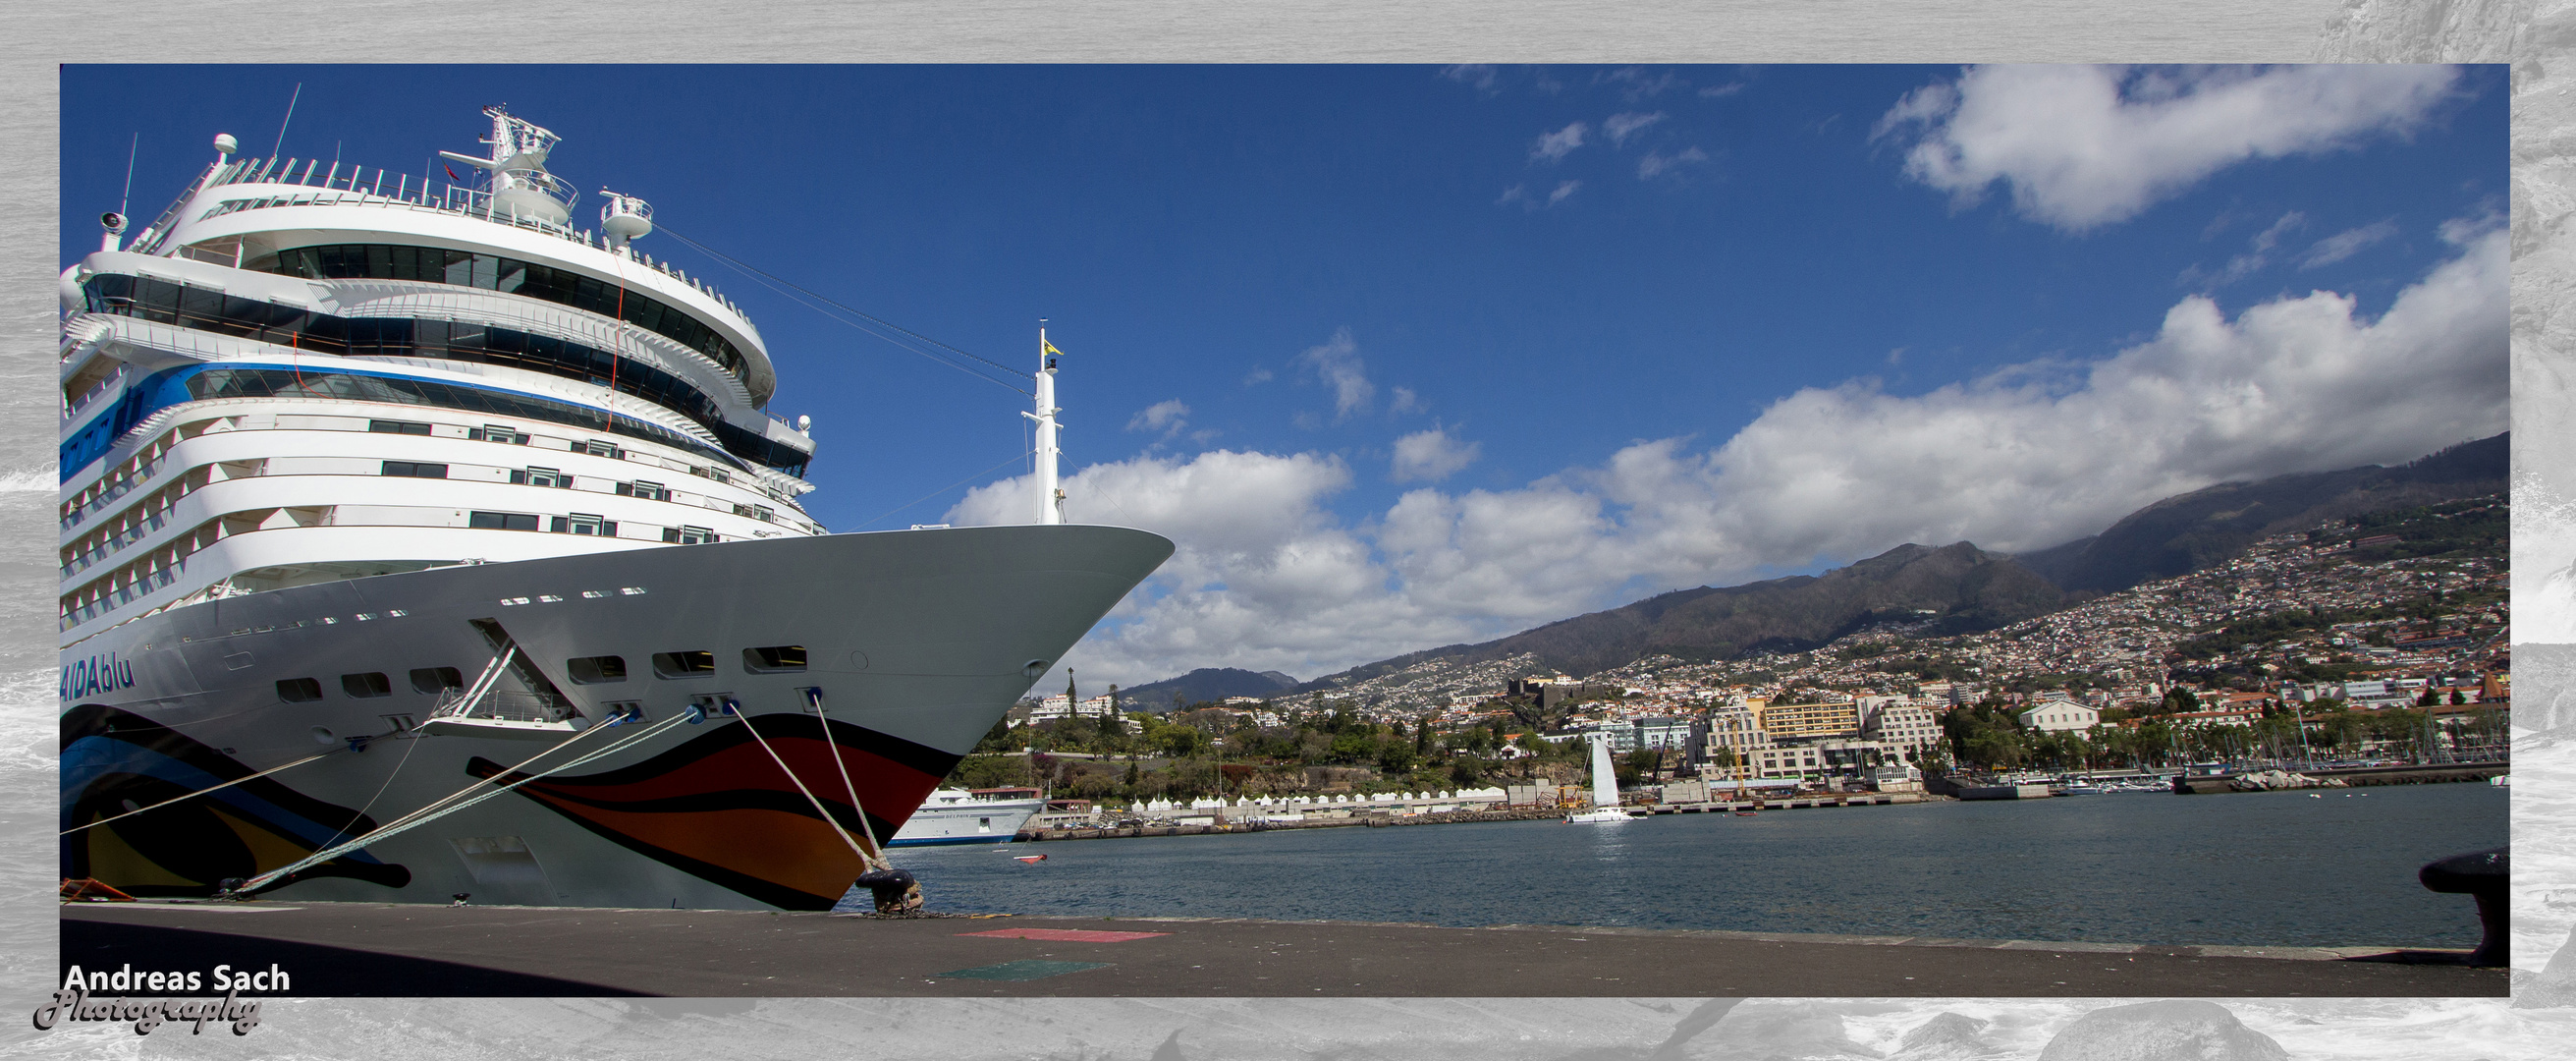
<point x="815" y="697"/>
<point x="203" y="791"/>
<point x="792" y="779"/>
<point x="425" y="815"/>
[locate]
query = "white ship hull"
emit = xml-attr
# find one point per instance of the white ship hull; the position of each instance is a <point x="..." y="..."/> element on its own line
<point x="960" y="819"/>
<point x="917" y="640"/>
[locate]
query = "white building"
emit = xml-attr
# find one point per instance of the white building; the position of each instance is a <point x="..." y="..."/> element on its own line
<point x="2060" y="716"/>
<point x="1908" y="729"/>
<point x="1059" y="706"/>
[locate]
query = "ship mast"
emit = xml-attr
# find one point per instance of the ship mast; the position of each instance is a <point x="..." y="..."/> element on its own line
<point x="1050" y="498"/>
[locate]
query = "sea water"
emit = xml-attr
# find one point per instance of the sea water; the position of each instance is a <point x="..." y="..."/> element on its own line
<point x="2239" y="869"/>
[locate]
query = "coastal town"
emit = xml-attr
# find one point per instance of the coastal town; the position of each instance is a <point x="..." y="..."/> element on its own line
<point x="2374" y="641"/>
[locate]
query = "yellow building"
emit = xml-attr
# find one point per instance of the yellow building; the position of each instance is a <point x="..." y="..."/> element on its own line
<point x="1782" y="721"/>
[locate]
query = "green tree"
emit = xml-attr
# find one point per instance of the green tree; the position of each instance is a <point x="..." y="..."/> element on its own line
<point x="1639" y="766"/>
<point x="1466" y="771"/>
<point x="1351" y="748"/>
<point x="998" y="738"/>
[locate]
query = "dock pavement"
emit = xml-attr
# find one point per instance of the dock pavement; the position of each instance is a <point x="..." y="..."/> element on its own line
<point x="397" y="950"/>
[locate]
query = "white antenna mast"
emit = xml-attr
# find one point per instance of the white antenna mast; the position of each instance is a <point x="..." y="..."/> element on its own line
<point x="1050" y="498"/>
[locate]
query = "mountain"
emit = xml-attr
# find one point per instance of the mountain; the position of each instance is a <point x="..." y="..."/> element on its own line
<point x="1959" y="586"/>
<point x="1205" y="683"/>
<point x="2189" y="532"/>
<point x="1964" y="589"/>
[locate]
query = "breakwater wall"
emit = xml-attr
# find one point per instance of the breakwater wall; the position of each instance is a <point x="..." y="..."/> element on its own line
<point x="2364" y="777"/>
<point x="1366" y="819"/>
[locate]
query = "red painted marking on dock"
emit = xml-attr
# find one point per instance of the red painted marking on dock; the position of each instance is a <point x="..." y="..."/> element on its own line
<point x="1072" y="935"/>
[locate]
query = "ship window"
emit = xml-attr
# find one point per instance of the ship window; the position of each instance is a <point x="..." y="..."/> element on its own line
<point x="491" y="272"/>
<point x="497" y="433"/>
<point x="688" y="535"/>
<point x="540" y="477"/>
<point x="598" y="447"/>
<point x="299" y="690"/>
<point x="435" y="680"/>
<point x="501" y="521"/>
<point x="645" y="490"/>
<point x="416" y="469"/>
<point x="595" y="670"/>
<point x="696" y="664"/>
<point x="366" y="685"/>
<point x="774" y="659"/>
<point x="580" y="523"/>
<point x="397" y="427"/>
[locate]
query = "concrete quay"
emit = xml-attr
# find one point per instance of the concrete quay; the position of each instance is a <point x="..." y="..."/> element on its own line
<point x="390" y="950"/>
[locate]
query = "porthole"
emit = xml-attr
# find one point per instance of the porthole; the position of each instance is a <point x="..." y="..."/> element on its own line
<point x="595" y="670"/>
<point x="774" y="659"/>
<point x="365" y="686"/>
<point x="695" y="664"/>
<point x="299" y="690"/>
<point x="434" y="680"/>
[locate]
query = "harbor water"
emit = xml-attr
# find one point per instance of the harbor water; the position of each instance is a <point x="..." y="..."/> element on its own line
<point x="2250" y="869"/>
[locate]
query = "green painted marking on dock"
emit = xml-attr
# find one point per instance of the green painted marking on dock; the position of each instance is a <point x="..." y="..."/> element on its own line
<point x="1025" y="969"/>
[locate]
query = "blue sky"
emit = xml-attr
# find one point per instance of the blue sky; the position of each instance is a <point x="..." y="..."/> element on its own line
<point x="1403" y="356"/>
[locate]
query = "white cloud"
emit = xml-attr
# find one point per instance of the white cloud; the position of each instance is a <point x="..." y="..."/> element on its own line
<point x="1558" y="144"/>
<point x="1480" y="76"/>
<point x="2346" y="243"/>
<point x="1640" y="86"/>
<point x="2264" y="241"/>
<point x="1168" y="417"/>
<point x="1337" y="365"/>
<point x="2257" y="254"/>
<point x="1431" y="455"/>
<point x="1520" y="193"/>
<point x="1269" y="577"/>
<point x="2085" y="146"/>
<point x="1256" y="377"/>
<point x="1657" y="163"/>
<point x="1728" y="89"/>
<point x="1619" y="126"/>
<point x="1405" y="401"/>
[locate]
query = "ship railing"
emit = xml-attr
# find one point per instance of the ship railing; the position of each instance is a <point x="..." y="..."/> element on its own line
<point x="115" y="379"/>
<point x="123" y="486"/>
<point x="503" y="705"/>
<point x="108" y="603"/>
<point x="370" y="189"/>
<point x="539" y="181"/>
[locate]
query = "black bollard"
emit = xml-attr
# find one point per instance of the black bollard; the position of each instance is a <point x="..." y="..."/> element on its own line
<point x="896" y="891"/>
<point x="2481" y="874"/>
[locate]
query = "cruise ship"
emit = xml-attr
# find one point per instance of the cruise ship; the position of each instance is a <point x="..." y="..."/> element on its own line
<point x="962" y="816"/>
<point x="419" y="541"/>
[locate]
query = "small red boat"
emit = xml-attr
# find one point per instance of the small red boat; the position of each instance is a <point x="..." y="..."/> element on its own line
<point x="1030" y="858"/>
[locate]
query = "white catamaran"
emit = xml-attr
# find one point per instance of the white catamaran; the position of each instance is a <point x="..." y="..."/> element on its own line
<point x="416" y="541"/>
<point x="1605" y="788"/>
